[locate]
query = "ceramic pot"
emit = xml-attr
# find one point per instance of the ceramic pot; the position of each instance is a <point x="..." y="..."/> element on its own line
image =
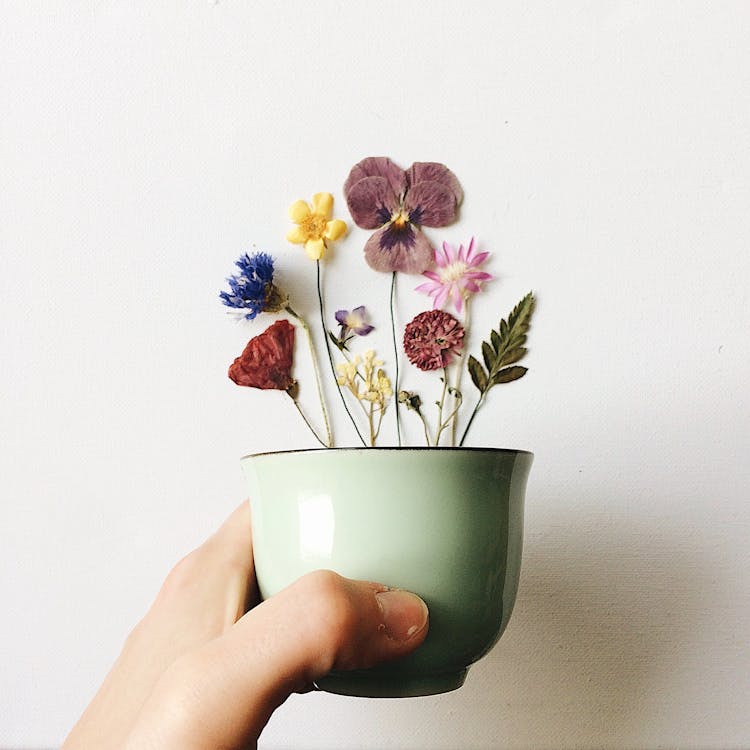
<point x="445" y="523"/>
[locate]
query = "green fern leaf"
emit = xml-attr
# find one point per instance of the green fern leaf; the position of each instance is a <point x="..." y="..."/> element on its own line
<point x="508" y="374"/>
<point x="506" y="347"/>
<point x="488" y="354"/>
<point x="478" y="375"/>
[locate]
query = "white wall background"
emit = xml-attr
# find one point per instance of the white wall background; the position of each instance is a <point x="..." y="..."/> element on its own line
<point x="604" y="150"/>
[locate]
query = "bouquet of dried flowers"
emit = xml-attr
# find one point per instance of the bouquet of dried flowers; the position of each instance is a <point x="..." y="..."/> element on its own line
<point x="397" y="204"/>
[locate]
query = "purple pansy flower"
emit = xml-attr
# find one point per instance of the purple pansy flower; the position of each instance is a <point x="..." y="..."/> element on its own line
<point x="397" y="203"/>
<point x="353" y="323"/>
<point x="354" y="320"/>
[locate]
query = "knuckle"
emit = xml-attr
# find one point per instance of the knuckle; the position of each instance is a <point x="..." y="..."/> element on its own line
<point x="334" y="616"/>
<point x="182" y="576"/>
<point x="322" y="584"/>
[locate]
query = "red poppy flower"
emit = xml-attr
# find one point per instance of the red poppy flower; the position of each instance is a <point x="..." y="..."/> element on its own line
<point x="266" y="362"/>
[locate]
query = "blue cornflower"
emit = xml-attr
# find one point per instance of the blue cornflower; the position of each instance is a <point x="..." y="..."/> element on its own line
<point x="252" y="290"/>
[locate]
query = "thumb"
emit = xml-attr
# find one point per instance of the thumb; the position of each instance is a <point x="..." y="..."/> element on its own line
<point x="223" y="694"/>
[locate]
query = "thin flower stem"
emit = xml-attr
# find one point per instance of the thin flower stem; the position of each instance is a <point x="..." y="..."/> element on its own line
<point x="451" y="416"/>
<point x="439" y="428"/>
<point x="330" y="356"/>
<point x="460" y="367"/>
<point x="307" y="421"/>
<point x="471" y="419"/>
<point x="426" y="429"/>
<point x="316" y="369"/>
<point x="381" y="411"/>
<point x="371" y="424"/>
<point x="395" y="359"/>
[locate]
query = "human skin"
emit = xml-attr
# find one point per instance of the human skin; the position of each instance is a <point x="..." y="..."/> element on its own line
<point x="208" y="663"/>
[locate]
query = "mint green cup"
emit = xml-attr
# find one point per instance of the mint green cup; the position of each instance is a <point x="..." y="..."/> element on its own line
<point x="445" y="523"/>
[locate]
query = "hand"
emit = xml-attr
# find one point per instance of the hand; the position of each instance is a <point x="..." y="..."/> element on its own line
<point x="208" y="664"/>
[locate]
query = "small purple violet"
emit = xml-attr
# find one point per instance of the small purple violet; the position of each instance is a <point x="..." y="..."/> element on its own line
<point x="352" y="323"/>
<point x="354" y="320"/>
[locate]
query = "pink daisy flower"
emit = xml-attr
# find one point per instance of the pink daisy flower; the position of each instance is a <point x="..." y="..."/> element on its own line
<point x="456" y="276"/>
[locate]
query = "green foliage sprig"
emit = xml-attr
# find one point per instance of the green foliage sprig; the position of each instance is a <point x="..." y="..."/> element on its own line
<point x="500" y="354"/>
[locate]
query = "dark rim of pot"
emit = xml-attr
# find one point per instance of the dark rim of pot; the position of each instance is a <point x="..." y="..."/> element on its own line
<point x="391" y="448"/>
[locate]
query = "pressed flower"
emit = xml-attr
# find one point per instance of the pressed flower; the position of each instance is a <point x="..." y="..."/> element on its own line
<point x="412" y="400"/>
<point x="315" y="227"/>
<point x="364" y="378"/>
<point x="397" y="203"/>
<point x="432" y="339"/>
<point x="455" y="277"/>
<point x="383" y="389"/>
<point x="378" y="387"/>
<point x="266" y="362"/>
<point x="252" y="291"/>
<point x="354" y="321"/>
<point x="347" y="375"/>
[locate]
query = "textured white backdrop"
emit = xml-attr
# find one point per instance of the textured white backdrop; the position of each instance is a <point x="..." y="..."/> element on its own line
<point x="604" y="151"/>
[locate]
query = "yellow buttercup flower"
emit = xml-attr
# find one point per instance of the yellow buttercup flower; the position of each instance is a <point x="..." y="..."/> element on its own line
<point x="315" y="228"/>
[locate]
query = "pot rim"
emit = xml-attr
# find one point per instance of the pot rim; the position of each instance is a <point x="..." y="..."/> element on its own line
<point x="392" y="448"/>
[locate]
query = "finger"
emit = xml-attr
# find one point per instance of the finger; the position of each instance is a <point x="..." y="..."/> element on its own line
<point x="223" y="694"/>
<point x="202" y="597"/>
<point x="204" y="594"/>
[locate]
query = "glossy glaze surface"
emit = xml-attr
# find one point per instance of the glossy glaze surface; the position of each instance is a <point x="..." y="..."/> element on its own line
<point x="444" y="523"/>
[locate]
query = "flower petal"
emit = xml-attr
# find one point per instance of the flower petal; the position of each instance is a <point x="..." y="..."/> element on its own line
<point x="448" y="256"/>
<point x="341" y="316"/>
<point x="430" y="171"/>
<point x="299" y="211"/>
<point x="479" y="275"/>
<point x="441" y="297"/>
<point x="356" y="320"/>
<point x="296" y="236"/>
<point x="371" y="202"/>
<point x="335" y="229"/>
<point x="431" y="204"/>
<point x="322" y="203"/>
<point x="458" y="300"/>
<point x="315" y="249"/>
<point x="428" y="286"/>
<point x="408" y="252"/>
<point x="377" y="166"/>
<point x="478" y="259"/>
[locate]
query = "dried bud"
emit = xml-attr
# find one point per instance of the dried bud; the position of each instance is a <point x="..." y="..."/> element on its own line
<point x="411" y="400"/>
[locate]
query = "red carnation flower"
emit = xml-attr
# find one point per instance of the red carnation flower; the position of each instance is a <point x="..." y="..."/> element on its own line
<point x="432" y="339"/>
<point x="266" y="362"/>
